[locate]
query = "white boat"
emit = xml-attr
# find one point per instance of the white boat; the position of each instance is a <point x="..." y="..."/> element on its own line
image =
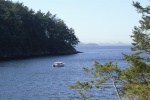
<point x="58" y="64"/>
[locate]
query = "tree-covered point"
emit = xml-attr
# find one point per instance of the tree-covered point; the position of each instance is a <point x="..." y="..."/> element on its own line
<point x="24" y="32"/>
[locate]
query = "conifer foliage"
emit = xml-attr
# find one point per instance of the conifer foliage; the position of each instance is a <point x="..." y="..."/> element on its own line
<point x="134" y="80"/>
<point x="24" y="32"/>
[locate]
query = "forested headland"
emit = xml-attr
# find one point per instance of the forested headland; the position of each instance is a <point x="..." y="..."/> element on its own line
<point x="26" y="33"/>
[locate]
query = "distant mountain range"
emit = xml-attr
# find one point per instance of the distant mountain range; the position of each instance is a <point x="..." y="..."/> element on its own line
<point x="104" y="44"/>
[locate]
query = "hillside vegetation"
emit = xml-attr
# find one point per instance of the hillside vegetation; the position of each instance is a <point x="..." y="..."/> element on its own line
<point x="24" y="32"/>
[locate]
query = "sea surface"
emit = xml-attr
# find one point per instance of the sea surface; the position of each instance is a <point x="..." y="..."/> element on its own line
<point x="36" y="79"/>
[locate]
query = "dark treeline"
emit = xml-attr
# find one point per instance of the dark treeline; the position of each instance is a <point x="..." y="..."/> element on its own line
<point x="24" y="32"/>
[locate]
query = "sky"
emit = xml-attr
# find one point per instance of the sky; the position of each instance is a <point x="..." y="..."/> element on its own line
<point x="94" y="21"/>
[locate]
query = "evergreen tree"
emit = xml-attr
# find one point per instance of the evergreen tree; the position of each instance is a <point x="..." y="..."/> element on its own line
<point x="24" y="32"/>
<point x="134" y="80"/>
<point x="107" y="72"/>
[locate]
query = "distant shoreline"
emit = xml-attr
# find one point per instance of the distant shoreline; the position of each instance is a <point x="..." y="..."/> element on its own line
<point x="34" y="56"/>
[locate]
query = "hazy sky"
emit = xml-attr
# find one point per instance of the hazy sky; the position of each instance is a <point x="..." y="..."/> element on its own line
<point x="94" y="21"/>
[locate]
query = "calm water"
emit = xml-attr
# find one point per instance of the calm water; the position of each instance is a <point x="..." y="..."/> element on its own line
<point x="36" y="79"/>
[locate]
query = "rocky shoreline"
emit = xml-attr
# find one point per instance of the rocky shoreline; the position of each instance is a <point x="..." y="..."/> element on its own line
<point x="15" y="57"/>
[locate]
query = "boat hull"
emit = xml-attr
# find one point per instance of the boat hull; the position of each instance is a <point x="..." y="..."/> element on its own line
<point x="58" y="64"/>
